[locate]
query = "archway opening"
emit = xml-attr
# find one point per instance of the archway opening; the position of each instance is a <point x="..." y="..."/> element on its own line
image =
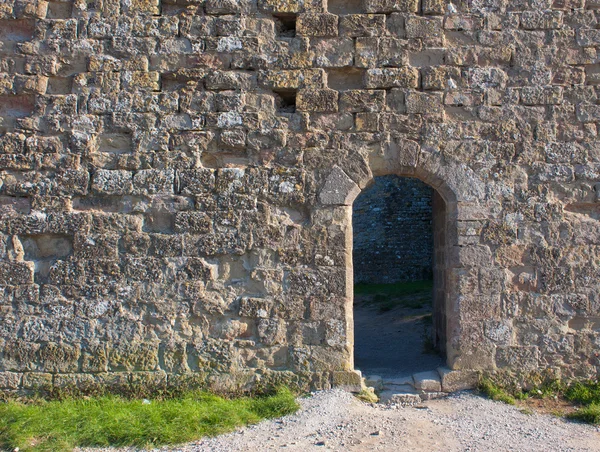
<point x="399" y="279"/>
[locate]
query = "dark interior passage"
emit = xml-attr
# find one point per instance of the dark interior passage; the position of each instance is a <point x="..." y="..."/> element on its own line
<point x="398" y="247"/>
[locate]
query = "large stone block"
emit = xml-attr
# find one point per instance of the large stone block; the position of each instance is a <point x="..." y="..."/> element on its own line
<point x="355" y="25"/>
<point x="392" y="77"/>
<point x="317" y="24"/>
<point x="388" y="6"/>
<point x="317" y="100"/>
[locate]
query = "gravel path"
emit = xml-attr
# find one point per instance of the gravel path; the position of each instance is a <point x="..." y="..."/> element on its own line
<point x="335" y="420"/>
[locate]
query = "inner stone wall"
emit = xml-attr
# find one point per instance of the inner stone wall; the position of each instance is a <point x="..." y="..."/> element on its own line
<point x="393" y="237"/>
<point x="176" y="181"/>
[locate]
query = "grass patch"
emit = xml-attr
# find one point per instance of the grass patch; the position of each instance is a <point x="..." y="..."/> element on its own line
<point x="587" y="395"/>
<point x="582" y="397"/>
<point x="495" y="392"/>
<point x="405" y="288"/>
<point x="584" y="393"/>
<point x="589" y="414"/>
<point x="60" y="425"/>
<point x="412" y="295"/>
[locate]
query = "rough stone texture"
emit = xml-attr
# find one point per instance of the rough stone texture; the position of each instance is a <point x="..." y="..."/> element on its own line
<point x="427" y="381"/>
<point x="392" y="223"/>
<point x="162" y="164"/>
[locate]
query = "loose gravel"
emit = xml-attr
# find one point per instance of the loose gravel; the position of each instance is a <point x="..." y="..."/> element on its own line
<point x="336" y="420"/>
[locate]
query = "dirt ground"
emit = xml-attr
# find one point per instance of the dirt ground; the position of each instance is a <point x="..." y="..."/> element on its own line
<point x="391" y="335"/>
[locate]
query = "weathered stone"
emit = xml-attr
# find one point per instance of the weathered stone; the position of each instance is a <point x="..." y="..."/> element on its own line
<point x="355" y="25"/>
<point x="314" y="24"/>
<point x="348" y="380"/>
<point x="427" y="381"/>
<point x="339" y="189"/>
<point x="175" y="185"/>
<point x="318" y="100"/>
<point x="392" y="77"/>
<point x="388" y="6"/>
<point x="10" y="380"/>
<point x="457" y="380"/>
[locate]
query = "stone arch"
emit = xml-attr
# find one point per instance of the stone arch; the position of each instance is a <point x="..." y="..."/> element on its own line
<point x="463" y="193"/>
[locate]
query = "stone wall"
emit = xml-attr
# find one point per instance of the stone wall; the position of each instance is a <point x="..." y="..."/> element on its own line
<point x="176" y="182"/>
<point x="393" y="237"/>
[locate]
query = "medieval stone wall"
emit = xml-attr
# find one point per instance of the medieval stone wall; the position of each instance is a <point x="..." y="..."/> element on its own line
<point x="177" y="178"/>
<point x="393" y="235"/>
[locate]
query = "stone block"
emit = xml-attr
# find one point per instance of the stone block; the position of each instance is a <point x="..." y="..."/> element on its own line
<point x="542" y="20"/>
<point x="424" y="103"/>
<point x="339" y="189"/>
<point x="588" y="113"/>
<point x="10" y="380"/>
<point x="362" y="100"/>
<point x="457" y="380"/>
<point x="317" y="100"/>
<point x="435" y="7"/>
<point x="29" y="84"/>
<point x="333" y="52"/>
<point x="367" y="52"/>
<point x="588" y="37"/>
<point x="430" y="29"/>
<point x="393" y="52"/>
<point x="218" y="7"/>
<point x="356" y="25"/>
<point x="293" y="79"/>
<point x="348" y="380"/>
<point x="142" y="6"/>
<point x="152" y="182"/>
<point x="427" y="381"/>
<point x="389" y="6"/>
<point x="144" y="81"/>
<point x="55" y="357"/>
<point x="462" y="22"/>
<point x="291" y="6"/>
<point x="367" y="122"/>
<point x="193" y="222"/>
<point x="15" y="273"/>
<point x="317" y="24"/>
<point x="392" y="78"/>
<point x="552" y="95"/>
<point x="37" y="380"/>
<point x="36" y="9"/>
<point x="229" y="80"/>
<point x="112" y="182"/>
<point x="523" y="358"/>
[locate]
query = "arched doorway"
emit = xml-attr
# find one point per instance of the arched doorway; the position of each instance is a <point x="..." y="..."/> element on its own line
<point x="399" y="242"/>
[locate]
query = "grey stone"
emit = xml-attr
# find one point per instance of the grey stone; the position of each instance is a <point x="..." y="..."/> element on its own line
<point x="427" y="381"/>
<point x="339" y="189"/>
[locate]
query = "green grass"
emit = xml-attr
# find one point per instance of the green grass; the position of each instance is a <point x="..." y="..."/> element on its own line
<point x="61" y="425"/>
<point x="495" y="392"/>
<point x="584" y="394"/>
<point x="413" y="295"/>
<point x="589" y="414"/>
<point x="397" y="289"/>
